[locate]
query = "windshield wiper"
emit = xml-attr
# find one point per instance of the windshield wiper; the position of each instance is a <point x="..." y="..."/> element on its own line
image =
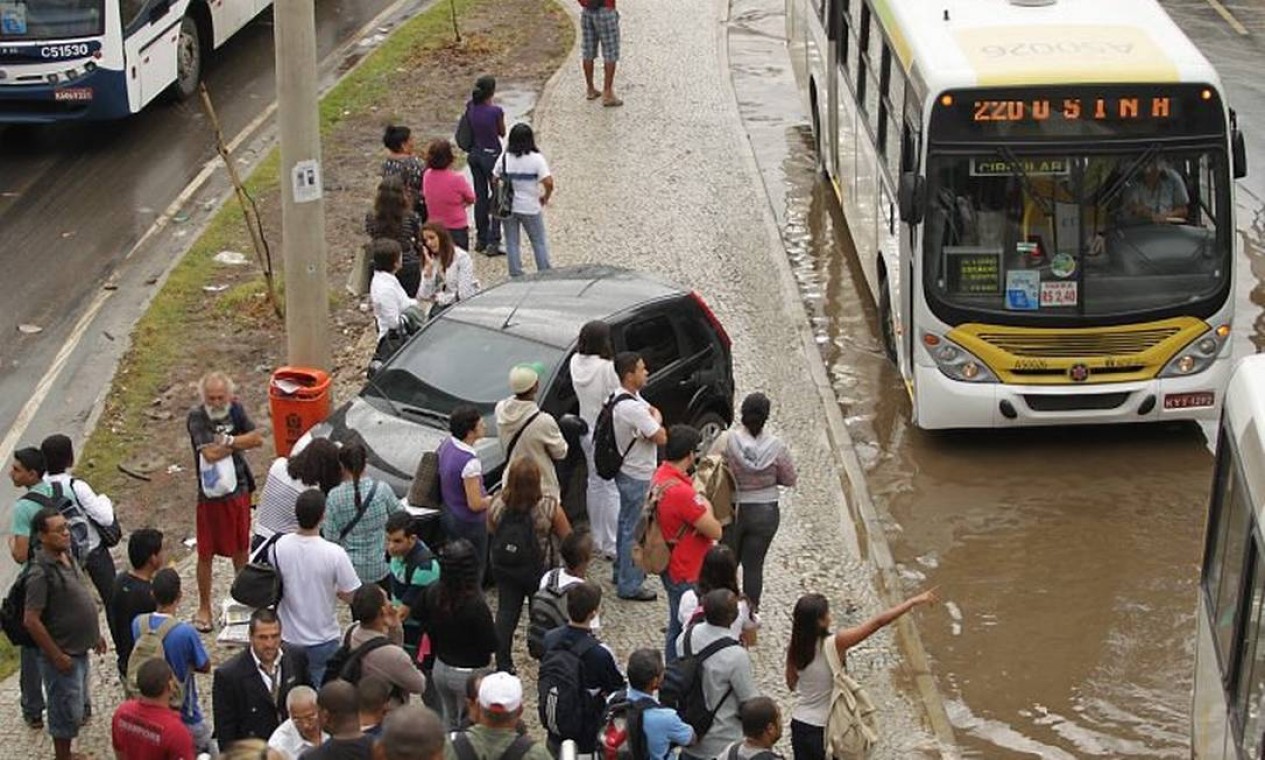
<point x="429" y="414"/>
<point x="1118" y="186"/>
<point x="395" y="410"/>
<point x="1016" y="168"/>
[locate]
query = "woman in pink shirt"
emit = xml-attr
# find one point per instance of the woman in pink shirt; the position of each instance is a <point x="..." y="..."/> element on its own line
<point x="447" y="193"/>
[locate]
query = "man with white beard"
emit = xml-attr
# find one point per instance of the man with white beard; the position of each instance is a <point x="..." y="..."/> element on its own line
<point x="219" y="428"/>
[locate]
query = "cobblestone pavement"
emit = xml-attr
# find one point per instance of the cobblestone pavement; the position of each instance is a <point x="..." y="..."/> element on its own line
<point x="665" y="184"/>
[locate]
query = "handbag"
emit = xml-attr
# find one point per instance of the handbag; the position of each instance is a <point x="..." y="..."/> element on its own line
<point x="258" y="584"/>
<point x="465" y="132"/>
<point x="424" y="492"/>
<point x="218" y="478"/>
<point x="503" y="194"/>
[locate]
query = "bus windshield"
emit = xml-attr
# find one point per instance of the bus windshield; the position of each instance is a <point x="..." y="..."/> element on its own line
<point x="1063" y="236"/>
<point x="41" y="20"/>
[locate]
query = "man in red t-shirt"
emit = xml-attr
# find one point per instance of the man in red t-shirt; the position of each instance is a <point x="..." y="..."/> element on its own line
<point x="147" y="728"/>
<point x="687" y="522"/>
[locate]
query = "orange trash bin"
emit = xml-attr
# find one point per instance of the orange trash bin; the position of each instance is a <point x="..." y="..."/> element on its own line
<point x="298" y="398"/>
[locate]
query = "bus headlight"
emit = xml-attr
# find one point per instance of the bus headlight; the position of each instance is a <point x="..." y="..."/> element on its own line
<point x="956" y="362"/>
<point x="1198" y="355"/>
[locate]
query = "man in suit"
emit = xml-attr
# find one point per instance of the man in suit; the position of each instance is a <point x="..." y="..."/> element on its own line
<point x="250" y="690"/>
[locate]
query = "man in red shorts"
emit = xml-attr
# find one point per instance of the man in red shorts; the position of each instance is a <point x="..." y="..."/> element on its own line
<point x="219" y="428"/>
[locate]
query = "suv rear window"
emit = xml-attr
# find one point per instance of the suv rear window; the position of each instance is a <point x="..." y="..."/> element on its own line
<point x="656" y="341"/>
<point x="452" y="363"/>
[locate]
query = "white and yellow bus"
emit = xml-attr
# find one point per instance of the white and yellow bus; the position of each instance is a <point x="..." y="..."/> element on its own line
<point x="1230" y="649"/>
<point x="65" y="60"/>
<point x="1040" y="195"/>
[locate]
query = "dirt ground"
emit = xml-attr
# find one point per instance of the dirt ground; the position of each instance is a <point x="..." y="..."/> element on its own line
<point x="521" y="42"/>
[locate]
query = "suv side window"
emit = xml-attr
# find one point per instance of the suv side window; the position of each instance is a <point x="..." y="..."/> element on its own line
<point x="696" y="336"/>
<point x="656" y="341"/>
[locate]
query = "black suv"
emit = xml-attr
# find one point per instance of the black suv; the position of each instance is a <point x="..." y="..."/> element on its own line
<point x="464" y="356"/>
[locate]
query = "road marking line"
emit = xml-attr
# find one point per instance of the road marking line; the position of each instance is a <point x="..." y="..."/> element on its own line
<point x="1225" y="13"/>
<point x="45" y="385"/>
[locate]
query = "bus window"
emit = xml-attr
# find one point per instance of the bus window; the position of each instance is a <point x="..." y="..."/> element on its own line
<point x="863" y="51"/>
<point x="1225" y="559"/>
<point x="845" y="33"/>
<point x="884" y="81"/>
<point x="1251" y="664"/>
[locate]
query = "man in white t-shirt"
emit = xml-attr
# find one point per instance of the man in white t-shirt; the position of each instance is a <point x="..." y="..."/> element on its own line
<point x="314" y="574"/>
<point x="639" y="431"/>
<point x="528" y="172"/>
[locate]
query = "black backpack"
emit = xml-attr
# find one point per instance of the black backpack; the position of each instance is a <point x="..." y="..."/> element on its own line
<point x="347" y="662"/>
<point x="13" y="611"/>
<point x="682" y="688"/>
<point x="565" y="706"/>
<point x="76" y="518"/>
<point x="621" y="736"/>
<point x="514" y="549"/>
<point x="548" y="611"/>
<point x="607" y="458"/>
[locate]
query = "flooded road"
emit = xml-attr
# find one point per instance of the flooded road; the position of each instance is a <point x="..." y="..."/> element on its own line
<point x="1067" y="559"/>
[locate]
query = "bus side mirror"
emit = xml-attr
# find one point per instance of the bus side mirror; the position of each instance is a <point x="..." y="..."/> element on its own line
<point x="912" y="197"/>
<point x="1239" y="153"/>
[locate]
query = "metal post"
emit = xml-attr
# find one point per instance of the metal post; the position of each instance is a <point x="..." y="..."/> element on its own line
<point x="302" y="201"/>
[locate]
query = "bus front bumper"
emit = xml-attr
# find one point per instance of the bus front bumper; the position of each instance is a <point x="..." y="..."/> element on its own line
<point x="101" y="94"/>
<point x="944" y="403"/>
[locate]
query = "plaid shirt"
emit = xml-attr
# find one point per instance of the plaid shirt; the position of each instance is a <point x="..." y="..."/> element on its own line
<point x="366" y="543"/>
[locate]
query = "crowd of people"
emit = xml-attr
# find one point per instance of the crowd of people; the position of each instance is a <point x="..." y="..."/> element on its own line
<point x="427" y="667"/>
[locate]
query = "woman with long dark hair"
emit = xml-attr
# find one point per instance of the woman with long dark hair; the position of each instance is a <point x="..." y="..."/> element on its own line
<point x="525" y="168"/>
<point x="356" y="515"/>
<point x="393" y="218"/>
<point x="447" y="271"/>
<point x="808" y="672"/>
<point x="487" y="124"/>
<point x="760" y="464"/>
<point x="314" y="466"/>
<point x="719" y="570"/>
<point x="522" y="499"/>
<point x="594" y="379"/>
<point x="459" y="623"/>
<point x="447" y="193"/>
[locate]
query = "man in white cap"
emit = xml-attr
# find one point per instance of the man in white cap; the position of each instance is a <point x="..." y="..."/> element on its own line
<point x="495" y="736"/>
<point x="526" y="431"/>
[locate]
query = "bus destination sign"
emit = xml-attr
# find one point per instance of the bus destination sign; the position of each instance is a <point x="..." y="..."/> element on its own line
<point x="1078" y="111"/>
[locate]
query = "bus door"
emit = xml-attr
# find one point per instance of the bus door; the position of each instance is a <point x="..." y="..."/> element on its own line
<point x="150" y="41"/>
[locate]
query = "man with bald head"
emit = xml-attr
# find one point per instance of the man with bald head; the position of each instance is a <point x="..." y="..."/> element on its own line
<point x="302" y="730"/>
<point x="219" y="428"/>
<point x="411" y="732"/>
<point x="340" y="716"/>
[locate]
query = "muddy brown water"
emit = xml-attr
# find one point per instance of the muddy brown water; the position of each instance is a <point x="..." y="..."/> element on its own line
<point x="1067" y="559"/>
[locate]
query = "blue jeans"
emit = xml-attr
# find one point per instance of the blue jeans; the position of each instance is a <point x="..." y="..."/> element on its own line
<point x="32" y="683"/>
<point x="66" y="692"/>
<point x="474" y="532"/>
<point x="535" y="226"/>
<point x="675" y="592"/>
<point x="317" y="656"/>
<point x="487" y="228"/>
<point x="632" y="494"/>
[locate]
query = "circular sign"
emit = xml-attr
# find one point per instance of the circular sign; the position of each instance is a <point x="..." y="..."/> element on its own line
<point x="1063" y="265"/>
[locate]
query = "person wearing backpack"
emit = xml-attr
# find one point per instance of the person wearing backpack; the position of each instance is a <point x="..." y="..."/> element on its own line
<point x="651" y="730"/>
<point x="523" y="522"/>
<point x="577" y="674"/>
<point x="548" y="608"/>
<point x="27" y="475"/>
<point x="722" y="677"/>
<point x="494" y="734"/>
<point x="638" y="429"/>
<point x="760" y="464"/>
<point x="761" y="728"/>
<point x="356" y="514"/>
<point x="374" y="647"/>
<point x="160" y="634"/>
<point x="686" y="521"/>
<point x="809" y="673"/>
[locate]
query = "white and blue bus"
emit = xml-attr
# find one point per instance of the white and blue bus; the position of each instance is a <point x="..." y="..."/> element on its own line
<point x="1230" y="648"/>
<point x="64" y="60"/>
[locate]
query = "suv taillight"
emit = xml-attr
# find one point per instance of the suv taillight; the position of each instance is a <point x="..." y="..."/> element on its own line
<point x="711" y="318"/>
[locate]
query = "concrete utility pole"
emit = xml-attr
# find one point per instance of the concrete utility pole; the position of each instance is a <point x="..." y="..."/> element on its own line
<point x="302" y="197"/>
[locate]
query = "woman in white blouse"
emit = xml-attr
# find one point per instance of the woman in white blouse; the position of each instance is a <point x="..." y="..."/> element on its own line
<point x="447" y="271"/>
<point x="385" y="292"/>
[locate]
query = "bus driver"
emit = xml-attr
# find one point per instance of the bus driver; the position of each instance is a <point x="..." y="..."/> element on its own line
<point x="1159" y="197"/>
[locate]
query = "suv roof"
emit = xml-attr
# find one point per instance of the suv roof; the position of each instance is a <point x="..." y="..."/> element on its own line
<point x="559" y="300"/>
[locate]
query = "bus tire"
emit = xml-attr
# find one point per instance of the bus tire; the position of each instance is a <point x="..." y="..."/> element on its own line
<point x="188" y="60"/>
<point x="887" y="326"/>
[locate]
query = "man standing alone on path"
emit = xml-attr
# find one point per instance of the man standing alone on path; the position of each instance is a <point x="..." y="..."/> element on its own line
<point x="218" y="428"/>
<point x="638" y="428"/>
<point x="27" y="475"/>
<point x="62" y="618"/>
<point x="525" y="430"/>
<point x="599" y="26"/>
<point x="132" y="594"/>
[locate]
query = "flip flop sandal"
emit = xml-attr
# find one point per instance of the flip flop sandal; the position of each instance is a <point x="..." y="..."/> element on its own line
<point x="202" y="626"/>
<point x="592" y="95"/>
<point x="612" y="103"/>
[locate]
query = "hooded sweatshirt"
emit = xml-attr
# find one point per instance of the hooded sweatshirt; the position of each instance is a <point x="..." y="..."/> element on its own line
<point x="594" y="380"/>
<point x="759" y="465"/>
<point x="542" y="440"/>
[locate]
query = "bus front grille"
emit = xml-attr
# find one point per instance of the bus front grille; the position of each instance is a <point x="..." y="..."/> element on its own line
<point x="1084" y="343"/>
<point x="1079" y="402"/>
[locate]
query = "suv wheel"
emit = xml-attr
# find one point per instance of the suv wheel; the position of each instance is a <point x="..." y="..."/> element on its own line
<point x="711" y="425"/>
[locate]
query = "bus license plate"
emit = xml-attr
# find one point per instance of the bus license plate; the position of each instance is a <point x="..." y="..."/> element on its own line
<point x="1189" y="400"/>
<point x="73" y="94"/>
